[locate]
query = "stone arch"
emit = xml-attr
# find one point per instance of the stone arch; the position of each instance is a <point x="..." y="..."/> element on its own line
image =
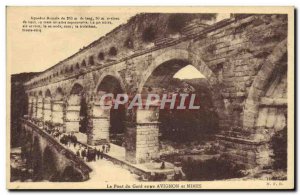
<point x="49" y="166"/>
<point x="76" y="102"/>
<point x="48" y="106"/>
<point x="77" y="89"/>
<point x="37" y="159"/>
<point x="75" y="86"/>
<point x="40" y="106"/>
<point x="34" y="100"/>
<point x="58" y="108"/>
<point x="147" y="121"/>
<point x="112" y="74"/>
<point x="192" y="58"/>
<point x="182" y="55"/>
<point x="48" y="93"/>
<point x="107" y="83"/>
<point x="59" y="94"/>
<point x="71" y="174"/>
<point x="260" y="83"/>
<point x="29" y="104"/>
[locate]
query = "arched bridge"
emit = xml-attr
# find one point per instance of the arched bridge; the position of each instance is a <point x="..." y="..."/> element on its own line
<point x="243" y="58"/>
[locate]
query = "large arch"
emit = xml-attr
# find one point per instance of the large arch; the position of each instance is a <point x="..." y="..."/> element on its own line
<point x="58" y="105"/>
<point x="76" y="100"/>
<point x="34" y="105"/>
<point x="40" y="107"/>
<point x="30" y="104"/>
<point x="188" y="57"/>
<point x="110" y="74"/>
<point x="71" y="174"/>
<point x="101" y="119"/>
<point x="144" y="146"/>
<point x="49" y="166"/>
<point x="37" y="159"/>
<point x="48" y="106"/>
<point x="260" y="83"/>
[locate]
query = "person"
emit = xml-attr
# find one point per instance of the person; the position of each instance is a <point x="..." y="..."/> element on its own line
<point x="83" y="153"/>
<point x="98" y="154"/>
<point x="103" y="148"/>
<point x="94" y="154"/>
<point x="108" y="148"/>
<point x="163" y="166"/>
<point x="88" y="155"/>
<point x="101" y="154"/>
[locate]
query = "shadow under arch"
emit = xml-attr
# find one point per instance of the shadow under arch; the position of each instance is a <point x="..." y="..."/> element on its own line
<point x="112" y="84"/>
<point x="37" y="160"/>
<point x="71" y="174"/>
<point x="50" y="171"/>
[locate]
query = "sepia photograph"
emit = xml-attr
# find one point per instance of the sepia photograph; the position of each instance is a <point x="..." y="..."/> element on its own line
<point x="150" y="98"/>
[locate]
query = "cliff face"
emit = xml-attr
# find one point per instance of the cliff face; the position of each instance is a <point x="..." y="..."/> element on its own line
<point x="18" y="105"/>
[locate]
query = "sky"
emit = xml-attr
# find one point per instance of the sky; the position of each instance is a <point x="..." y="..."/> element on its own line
<point x="37" y="51"/>
<point x="188" y="72"/>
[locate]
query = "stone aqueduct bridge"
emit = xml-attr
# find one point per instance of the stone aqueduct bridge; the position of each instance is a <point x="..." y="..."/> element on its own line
<point x="49" y="159"/>
<point x="243" y="59"/>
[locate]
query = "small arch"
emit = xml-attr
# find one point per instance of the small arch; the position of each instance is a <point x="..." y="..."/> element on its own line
<point x="112" y="51"/>
<point x="101" y="56"/>
<point x="49" y="167"/>
<point x="113" y="75"/>
<point x="77" y="66"/>
<point x="91" y="60"/>
<point x="83" y="63"/>
<point x="59" y="94"/>
<point x="48" y="93"/>
<point x="77" y="89"/>
<point x="37" y="164"/>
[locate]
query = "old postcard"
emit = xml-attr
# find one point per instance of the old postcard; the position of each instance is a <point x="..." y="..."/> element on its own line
<point x="129" y="98"/>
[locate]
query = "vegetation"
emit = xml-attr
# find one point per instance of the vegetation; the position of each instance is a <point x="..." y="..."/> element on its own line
<point x="212" y="169"/>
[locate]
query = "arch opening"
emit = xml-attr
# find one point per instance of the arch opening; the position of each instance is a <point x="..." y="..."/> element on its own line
<point x="77" y="116"/>
<point x="47" y="107"/>
<point x="40" y="106"/>
<point x="111" y="84"/>
<point x="36" y="160"/>
<point x="71" y="174"/>
<point x="58" y="108"/>
<point x="49" y="168"/>
<point x="178" y="129"/>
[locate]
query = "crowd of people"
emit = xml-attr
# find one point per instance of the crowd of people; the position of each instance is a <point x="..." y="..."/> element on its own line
<point x="70" y="140"/>
<point x="92" y="154"/>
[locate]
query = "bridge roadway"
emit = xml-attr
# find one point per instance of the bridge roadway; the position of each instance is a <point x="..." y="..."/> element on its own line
<point x="113" y="167"/>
